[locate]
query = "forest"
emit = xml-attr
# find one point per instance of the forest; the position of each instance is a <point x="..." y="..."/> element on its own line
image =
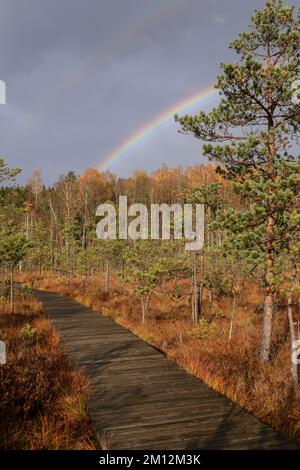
<point x="228" y="313"/>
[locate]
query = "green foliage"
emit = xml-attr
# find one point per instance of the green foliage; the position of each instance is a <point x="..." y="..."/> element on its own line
<point x="144" y="267"/>
<point x="28" y="333"/>
<point x="260" y="122"/>
<point x="225" y="272"/>
<point x="202" y="330"/>
<point x="13" y="248"/>
<point x="106" y="312"/>
<point x="7" y="173"/>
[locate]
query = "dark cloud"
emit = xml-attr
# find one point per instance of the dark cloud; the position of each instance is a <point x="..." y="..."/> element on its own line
<point x="82" y="75"/>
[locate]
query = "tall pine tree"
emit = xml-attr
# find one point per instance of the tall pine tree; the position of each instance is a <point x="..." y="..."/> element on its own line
<point x="253" y="132"/>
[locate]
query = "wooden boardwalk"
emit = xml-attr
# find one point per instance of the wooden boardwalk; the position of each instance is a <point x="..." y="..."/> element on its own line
<point x="139" y="399"/>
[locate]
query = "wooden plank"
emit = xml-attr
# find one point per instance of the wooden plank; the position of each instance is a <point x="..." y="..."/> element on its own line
<point x="143" y="401"/>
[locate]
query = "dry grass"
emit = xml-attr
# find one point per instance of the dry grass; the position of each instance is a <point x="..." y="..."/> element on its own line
<point x="43" y="400"/>
<point x="231" y="367"/>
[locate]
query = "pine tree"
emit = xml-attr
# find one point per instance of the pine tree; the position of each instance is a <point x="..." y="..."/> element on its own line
<point x="144" y="269"/>
<point x="7" y="173"/>
<point x="14" y="246"/>
<point x="251" y="133"/>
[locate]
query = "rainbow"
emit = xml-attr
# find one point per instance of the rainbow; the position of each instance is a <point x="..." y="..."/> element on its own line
<point x="158" y="121"/>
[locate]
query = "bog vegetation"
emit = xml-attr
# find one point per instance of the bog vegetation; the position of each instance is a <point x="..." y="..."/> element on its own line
<point x="230" y="313"/>
<point x="43" y="400"/>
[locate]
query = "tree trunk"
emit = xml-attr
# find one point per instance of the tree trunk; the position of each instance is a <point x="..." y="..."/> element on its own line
<point x="196" y="293"/>
<point x="12" y="290"/>
<point x="145" y="306"/>
<point x="192" y="296"/>
<point x="299" y="318"/>
<point x="196" y="303"/>
<point x="269" y="296"/>
<point x="267" y="326"/>
<point x="106" y="287"/>
<point x="201" y="286"/>
<point x="143" y="309"/>
<point x="233" y="314"/>
<point x="295" y="376"/>
<point x="269" y="238"/>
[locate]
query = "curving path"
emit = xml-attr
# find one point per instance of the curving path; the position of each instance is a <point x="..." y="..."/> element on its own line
<point x="139" y="399"/>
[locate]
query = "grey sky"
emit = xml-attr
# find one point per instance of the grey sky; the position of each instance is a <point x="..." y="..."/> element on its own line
<point x="82" y="75"/>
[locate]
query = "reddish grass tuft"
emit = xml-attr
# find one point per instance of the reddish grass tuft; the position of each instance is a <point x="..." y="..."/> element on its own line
<point x="43" y="400"/>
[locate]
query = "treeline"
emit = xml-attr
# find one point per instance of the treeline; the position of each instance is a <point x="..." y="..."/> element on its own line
<point x="58" y="224"/>
<point x="60" y="219"/>
<point x="57" y="228"/>
<point x="54" y="229"/>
